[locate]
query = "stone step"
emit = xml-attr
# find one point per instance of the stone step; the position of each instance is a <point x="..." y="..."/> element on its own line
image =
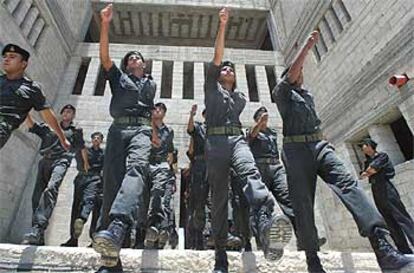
<point x="16" y="258"/>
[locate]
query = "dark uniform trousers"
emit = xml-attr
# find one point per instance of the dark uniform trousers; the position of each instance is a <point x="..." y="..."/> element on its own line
<point x="126" y="168"/>
<point x="396" y="217"/>
<point x="304" y="162"/>
<point x="49" y="178"/>
<point x="222" y="153"/>
<point x="87" y="198"/>
<point x="199" y="190"/>
<point x="168" y="201"/>
<point x="160" y="177"/>
<point x="241" y="209"/>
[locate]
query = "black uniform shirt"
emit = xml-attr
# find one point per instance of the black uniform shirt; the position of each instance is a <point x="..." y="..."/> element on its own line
<point x="265" y="144"/>
<point x="95" y="159"/>
<point x="18" y="97"/>
<point x="223" y="108"/>
<point x="297" y="109"/>
<point x="383" y="165"/>
<point x="51" y="147"/>
<point x="166" y="136"/>
<point x="199" y="138"/>
<point x="131" y="96"/>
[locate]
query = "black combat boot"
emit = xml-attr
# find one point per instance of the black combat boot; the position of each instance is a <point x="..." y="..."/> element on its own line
<point x="109" y="242"/>
<point x="151" y="238"/>
<point x="35" y="237"/>
<point x="273" y="229"/>
<point x="221" y="264"/>
<point x="387" y="256"/>
<point x="72" y="242"/>
<point x="173" y="238"/>
<point x="313" y="262"/>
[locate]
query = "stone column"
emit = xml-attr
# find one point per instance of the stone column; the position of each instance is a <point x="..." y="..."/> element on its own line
<point x="262" y="84"/>
<point x="91" y="77"/>
<point x="157" y="74"/>
<point x="241" y="80"/>
<point x="177" y="84"/>
<point x="199" y="81"/>
<point x="384" y="136"/>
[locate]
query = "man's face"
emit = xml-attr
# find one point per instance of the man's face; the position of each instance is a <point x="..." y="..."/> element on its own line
<point x="13" y="62"/>
<point x="96" y="140"/>
<point x="68" y="115"/>
<point x="135" y="62"/>
<point x="227" y="74"/>
<point x="158" y="113"/>
<point x="367" y="149"/>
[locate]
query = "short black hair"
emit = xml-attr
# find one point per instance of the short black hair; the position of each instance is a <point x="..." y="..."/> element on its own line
<point x="368" y="141"/>
<point x="125" y="59"/>
<point x="68" y="106"/>
<point x="162" y="106"/>
<point x="97" y="134"/>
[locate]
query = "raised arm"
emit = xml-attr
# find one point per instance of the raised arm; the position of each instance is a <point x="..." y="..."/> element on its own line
<point x="49" y="117"/>
<point x="256" y="128"/>
<point x="219" y="45"/>
<point x="190" y="124"/>
<point x="106" y="17"/>
<point x="297" y="65"/>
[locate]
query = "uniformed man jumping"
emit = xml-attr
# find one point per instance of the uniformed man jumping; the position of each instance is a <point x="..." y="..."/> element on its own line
<point x="306" y="155"/>
<point x="87" y="195"/>
<point x="18" y="95"/>
<point x="380" y="172"/>
<point x="128" y="147"/>
<point x="227" y="147"/>
<point x="160" y="176"/>
<point x="198" y="188"/>
<point x="52" y="169"/>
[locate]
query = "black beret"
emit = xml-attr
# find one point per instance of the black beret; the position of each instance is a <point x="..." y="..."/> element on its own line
<point x="16" y="49"/>
<point x="97" y="134"/>
<point x="368" y="141"/>
<point x="227" y="63"/>
<point x="125" y="59"/>
<point x="68" y="106"/>
<point x="259" y="112"/>
<point x="162" y="106"/>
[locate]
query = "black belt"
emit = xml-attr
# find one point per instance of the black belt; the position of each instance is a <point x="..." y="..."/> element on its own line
<point x="128" y="120"/>
<point x="267" y="160"/>
<point x="303" y="138"/>
<point x="224" y="131"/>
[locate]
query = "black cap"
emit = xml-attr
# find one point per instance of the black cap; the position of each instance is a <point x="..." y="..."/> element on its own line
<point x="259" y="112"/>
<point x="368" y="141"/>
<point x="125" y="59"/>
<point x="97" y="134"/>
<point x="227" y="63"/>
<point x="162" y="106"/>
<point x="16" y="49"/>
<point x="68" y="106"/>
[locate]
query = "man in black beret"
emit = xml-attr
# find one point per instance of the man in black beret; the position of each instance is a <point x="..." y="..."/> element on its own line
<point x="226" y="148"/>
<point x="87" y="195"/>
<point x="380" y="172"/>
<point x="307" y="155"/>
<point x="18" y="95"/>
<point x="52" y="169"/>
<point x="128" y="148"/>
